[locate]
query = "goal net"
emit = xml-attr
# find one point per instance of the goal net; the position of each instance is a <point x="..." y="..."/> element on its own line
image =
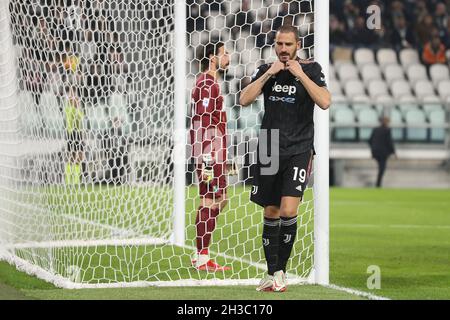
<point x="88" y="181"/>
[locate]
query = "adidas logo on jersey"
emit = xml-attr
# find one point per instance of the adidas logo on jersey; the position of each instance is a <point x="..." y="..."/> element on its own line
<point x="290" y="90"/>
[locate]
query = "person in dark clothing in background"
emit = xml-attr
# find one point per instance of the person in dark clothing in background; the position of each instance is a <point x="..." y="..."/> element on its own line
<point x="382" y="147"/>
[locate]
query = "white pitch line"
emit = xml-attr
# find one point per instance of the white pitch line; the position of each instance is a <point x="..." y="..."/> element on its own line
<point x="62" y="282"/>
<point x="245" y="261"/>
<point x="256" y="265"/>
<point x="142" y="240"/>
<point x="403" y="226"/>
<point x="393" y="203"/>
<point x="356" y="292"/>
<point x="101" y="225"/>
<point x="412" y="226"/>
<point x="139" y="241"/>
<point x="87" y="243"/>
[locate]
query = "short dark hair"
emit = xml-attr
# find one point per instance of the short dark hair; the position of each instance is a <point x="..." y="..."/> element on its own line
<point x="209" y="50"/>
<point x="288" y="29"/>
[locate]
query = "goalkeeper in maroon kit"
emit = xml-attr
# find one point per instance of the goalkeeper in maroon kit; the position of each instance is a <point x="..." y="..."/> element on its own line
<point x="208" y="137"/>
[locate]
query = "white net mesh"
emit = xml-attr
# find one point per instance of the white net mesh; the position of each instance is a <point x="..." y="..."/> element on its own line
<point x="86" y="115"/>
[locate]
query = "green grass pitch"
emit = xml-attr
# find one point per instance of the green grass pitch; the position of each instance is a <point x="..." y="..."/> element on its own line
<point x="403" y="232"/>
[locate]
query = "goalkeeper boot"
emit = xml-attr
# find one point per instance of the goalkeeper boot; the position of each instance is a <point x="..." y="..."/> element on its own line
<point x="203" y="263"/>
<point x="266" y="284"/>
<point x="199" y="259"/>
<point x="279" y="281"/>
<point x="212" y="266"/>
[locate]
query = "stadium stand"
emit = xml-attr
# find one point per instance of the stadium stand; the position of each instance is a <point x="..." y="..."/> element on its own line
<point x="404" y="87"/>
<point x="387" y="76"/>
<point x="370" y="74"/>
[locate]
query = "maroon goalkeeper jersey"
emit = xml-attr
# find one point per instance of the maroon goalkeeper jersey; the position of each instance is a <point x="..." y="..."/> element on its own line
<point x="208" y="134"/>
<point x="208" y="130"/>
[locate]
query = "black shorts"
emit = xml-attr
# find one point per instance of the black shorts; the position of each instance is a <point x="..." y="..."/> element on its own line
<point x="75" y="142"/>
<point x="290" y="180"/>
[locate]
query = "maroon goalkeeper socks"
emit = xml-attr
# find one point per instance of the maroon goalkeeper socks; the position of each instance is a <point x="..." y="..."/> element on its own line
<point x="205" y="224"/>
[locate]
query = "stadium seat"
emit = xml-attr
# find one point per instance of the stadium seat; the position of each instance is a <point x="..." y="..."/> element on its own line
<point x="118" y="100"/>
<point x="377" y="88"/>
<point x="268" y="54"/>
<point x="407" y="102"/>
<point x="195" y="41"/>
<point x="250" y="68"/>
<point x="341" y="55"/>
<point x="338" y="99"/>
<point x="344" y="116"/>
<point x="444" y="90"/>
<point x="347" y="71"/>
<point x="353" y="88"/>
<point x="97" y="117"/>
<point x="245" y="57"/>
<point x="30" y="119"/>
<point x="370" y="72"/>
<point x="337" y="105"/>
<point x="396" y="121"/>
<point x="413" y="118"/>
<point x="416" y="72"/>
<point x="52" y="115"/>
<point x="237" y="70"/>
<point x="408" y="57"/>
<point x="250" y="117"/>
<point x="232" y="121"/>
<point x="117" y="108"/>
<point x="234" y="6"/>
<point x="367" y="117"/>
<point x="239" y="44"/>
<point x="431" y="99"/>
<point x="335" y="87"/>
<point x="437" y="119"/>
<point x="255" y="54"/>
<point x="235" y="59"/>
<point x="431" y="103"/>
<point x="364" y="56"/>
<point x="215" y="21"/>
<point x="301" y="20"/>
<point x="332" y="72"/>
<point x="393" y="72"/>
<point x="384" y="102"/>
<point x="400" y="88"/>
<point x="439" y="72"/>
<point x="273" y="9"/>
<point x="385" y="57"/>
<point x="205" y="36"/>
<point x="360" y="102"/>
<point x="423" y="88"/>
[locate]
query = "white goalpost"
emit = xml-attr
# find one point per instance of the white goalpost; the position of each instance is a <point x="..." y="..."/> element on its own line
<point x="97" y="185"/>
<point x="322" y="144"/>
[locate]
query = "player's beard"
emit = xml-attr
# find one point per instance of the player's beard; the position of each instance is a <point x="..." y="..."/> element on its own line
<point x="285" y="56"/>
<point x="222" y="70"/>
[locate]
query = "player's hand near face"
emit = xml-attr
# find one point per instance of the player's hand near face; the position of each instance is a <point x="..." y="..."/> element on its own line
<point x="295" y="68"/>
<point x="276" y="67"/>
<point x="320" y="95"/>
<point x="253" y="90"/>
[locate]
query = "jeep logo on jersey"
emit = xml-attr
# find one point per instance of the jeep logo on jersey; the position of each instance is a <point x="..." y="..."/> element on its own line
<point x="290" y="90"/>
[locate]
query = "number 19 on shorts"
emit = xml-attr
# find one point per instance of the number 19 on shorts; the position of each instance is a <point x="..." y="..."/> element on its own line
<point x="299" y="175"/>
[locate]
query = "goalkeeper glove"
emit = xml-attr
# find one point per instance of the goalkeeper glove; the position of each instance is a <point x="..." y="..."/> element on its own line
<point x="207" y="168"/>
